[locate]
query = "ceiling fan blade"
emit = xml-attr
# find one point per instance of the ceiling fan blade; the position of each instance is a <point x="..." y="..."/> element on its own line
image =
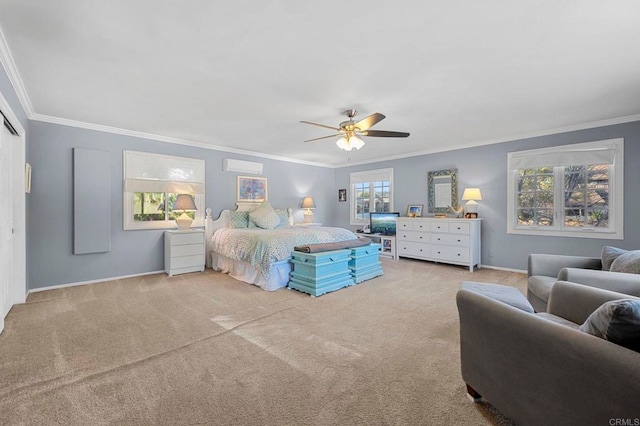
<point x="325" y="137"/>
<point x="320" y="125"/>
<point x="370" y="121"/>
<point x="385" y="134"/>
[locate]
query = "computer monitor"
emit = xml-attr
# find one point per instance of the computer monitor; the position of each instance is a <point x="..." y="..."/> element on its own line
<point x="383" y="223"/>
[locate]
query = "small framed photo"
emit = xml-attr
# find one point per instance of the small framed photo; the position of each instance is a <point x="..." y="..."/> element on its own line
<point x="252" y="189"/>
<point x="471" y="215"/>
<point x="414" y="210"/>
<point x="342" y="195"/>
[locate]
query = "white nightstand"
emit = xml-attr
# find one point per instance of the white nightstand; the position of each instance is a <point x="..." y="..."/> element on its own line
<point x="184" y="251"/>
<point x="307" y="224"/>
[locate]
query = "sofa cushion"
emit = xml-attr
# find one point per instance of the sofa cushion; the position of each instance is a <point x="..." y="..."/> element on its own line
<point x="628" y="262"/>
<point x="558" y="320"/>
<point x="509" y="295"/>
<point x="265" y="217"/>
<point x="608" y="255"/>
<point x="617" y="321"/>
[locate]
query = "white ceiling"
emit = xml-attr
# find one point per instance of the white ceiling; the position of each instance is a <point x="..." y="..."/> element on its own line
<point x="242" y="74"/>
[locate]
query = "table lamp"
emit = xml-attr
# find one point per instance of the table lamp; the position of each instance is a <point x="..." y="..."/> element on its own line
<point x="308" y="204"/>
<point x="185" y="203"/>
<point x="471" y="195"/>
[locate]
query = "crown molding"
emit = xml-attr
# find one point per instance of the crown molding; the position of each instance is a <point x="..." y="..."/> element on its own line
<point x="6" y="59"/>
<point x="168" y="139"/>
<point x="554" y="131"/>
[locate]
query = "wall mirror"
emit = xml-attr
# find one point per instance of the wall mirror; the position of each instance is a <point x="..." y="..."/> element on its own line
<point x="443" y="190"/>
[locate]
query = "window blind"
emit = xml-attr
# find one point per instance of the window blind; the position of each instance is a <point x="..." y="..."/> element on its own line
<point x="149" y="172"/>
<point x="603" y="152"/>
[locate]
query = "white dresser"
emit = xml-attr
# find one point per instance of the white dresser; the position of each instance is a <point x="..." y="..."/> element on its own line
<point x="448" y="240"/>
<point x="183" y="251"/>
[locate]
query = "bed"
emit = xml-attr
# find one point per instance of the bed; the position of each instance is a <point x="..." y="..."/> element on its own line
<point x="261" y="256"/>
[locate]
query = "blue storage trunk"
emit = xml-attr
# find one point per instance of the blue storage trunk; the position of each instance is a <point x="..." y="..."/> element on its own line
<point x="364" y="263"/>
<point x="320" y="273"/>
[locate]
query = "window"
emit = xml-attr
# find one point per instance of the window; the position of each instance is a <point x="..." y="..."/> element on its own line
<point x="151" y="184"/>
<point x="571" y="191"/>
<point x="372" y="192"/>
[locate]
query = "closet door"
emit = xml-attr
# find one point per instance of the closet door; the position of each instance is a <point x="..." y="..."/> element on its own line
<point x="6" y="223"/>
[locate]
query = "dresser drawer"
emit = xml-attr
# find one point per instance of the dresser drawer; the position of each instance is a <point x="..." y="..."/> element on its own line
<point x="450" y="254"/>
<point x="439" y="227"/>
<point x="178" y="239"/>
<point x="405" y="225"/>
<point x="450" y="239"/>
<point x="420" y="237"/>
<point x="459" y="228"/>
<point x="413" y="249"/>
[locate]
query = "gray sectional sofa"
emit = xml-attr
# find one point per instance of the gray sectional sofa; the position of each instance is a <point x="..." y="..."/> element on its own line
<point x="545" y="269"/>
<point x="540" y="368"/>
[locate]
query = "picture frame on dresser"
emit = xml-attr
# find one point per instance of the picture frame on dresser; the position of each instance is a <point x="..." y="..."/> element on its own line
<point x="414" y="210"/>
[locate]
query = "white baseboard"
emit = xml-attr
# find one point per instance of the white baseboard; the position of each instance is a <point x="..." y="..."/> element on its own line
<point x="101" y="280"/>
<point x="499" y="268"/>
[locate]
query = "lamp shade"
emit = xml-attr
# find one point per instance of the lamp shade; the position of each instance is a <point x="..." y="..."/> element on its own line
<point x="471" y="194"/>
<point x="184" y="202"/>
<point x="307" y="203"/>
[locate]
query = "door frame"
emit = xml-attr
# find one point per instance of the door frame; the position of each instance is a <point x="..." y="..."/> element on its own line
<point x="18" y="292"/>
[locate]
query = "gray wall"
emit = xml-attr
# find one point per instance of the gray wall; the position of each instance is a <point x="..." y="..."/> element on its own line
<point x="486" y="167"/>
<point x="50" y="214"/>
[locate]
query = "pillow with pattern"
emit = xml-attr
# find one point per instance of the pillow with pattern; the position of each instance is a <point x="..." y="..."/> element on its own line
<point x="284" y="217"/>
<point x="265" y="217"/>
<point x="628" y="262"/>
<point x="239" y="219"/>
<point x="608" y="255"/>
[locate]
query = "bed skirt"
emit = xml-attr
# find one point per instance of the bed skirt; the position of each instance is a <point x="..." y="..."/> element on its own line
<point x="242" y="271"/>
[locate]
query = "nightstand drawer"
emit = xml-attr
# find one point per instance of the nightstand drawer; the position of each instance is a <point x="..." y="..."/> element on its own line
<point x="187" y="261"/>
<point x="178" y="239"/>
<point x="186" y="250"/>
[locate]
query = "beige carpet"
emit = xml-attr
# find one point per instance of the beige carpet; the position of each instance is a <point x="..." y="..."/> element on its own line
<point x="206" y="349"/>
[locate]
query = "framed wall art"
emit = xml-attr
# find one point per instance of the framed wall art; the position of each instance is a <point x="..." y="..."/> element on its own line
<point x="252" y="189"/>
<point x="342" y="195"/>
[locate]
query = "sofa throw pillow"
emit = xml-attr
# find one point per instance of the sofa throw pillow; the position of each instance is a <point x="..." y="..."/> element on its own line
<point x="284" y="217"/>
<point x="628" y="262"/>
<point x="238" y="219"/>
<point x="617" y="321"/>
<point x="265" y="217"/>
<point x="608" y="255"/>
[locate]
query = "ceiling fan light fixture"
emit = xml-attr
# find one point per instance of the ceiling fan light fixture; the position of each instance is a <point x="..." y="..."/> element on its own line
<point x="356" y="142"/>
<point x="343" y="143"/>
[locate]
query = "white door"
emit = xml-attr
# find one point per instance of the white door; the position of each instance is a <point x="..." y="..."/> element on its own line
<point x="6" y="223"/>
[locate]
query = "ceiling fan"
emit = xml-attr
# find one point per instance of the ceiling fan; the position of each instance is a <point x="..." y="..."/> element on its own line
<point x="351" y="132"/>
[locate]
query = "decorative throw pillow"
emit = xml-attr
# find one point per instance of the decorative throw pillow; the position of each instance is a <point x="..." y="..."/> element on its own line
<point x="238" y="219"/>
<point x="284" y="217"/>
<point x="617" y="321"/>
<point x="628" y="262"/>
<point x="609" y="254"/>
<point x="265" y="217"/>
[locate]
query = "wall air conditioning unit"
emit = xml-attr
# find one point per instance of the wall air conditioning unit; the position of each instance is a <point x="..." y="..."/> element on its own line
<point x="239" y="166"/>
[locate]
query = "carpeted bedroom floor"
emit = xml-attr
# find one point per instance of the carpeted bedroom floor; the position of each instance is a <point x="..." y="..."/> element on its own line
<point x="204" y="348"/>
